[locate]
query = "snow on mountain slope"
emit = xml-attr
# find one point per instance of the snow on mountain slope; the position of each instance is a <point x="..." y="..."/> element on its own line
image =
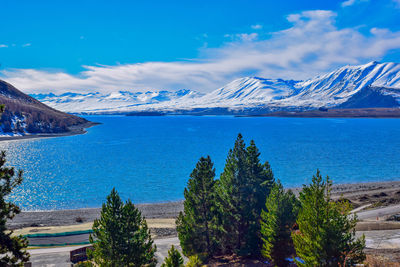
<point x="248" y="91"/>
<point x="120" y="101"/>
<point x="329" y="90"/>
<point x="338" y="86"/>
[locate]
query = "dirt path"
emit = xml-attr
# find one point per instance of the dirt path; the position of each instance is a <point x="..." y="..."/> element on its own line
<point x="379" y="213"/>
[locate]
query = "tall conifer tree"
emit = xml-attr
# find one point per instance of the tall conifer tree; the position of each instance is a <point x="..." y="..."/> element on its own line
<point x="196" y="225"/>
<point x="260" y="181"/>
<point x="277" y="221"/>
<point x="121" y="236"/>
<point x="326" y="235"/>
<point x="231" y="193"/>
<point x="242" y="190"/>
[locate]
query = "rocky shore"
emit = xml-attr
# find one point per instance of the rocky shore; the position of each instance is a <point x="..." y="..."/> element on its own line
<point x="377" y="194"/>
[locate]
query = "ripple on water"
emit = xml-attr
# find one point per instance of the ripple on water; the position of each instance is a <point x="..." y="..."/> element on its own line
<point x="149" y="159"/>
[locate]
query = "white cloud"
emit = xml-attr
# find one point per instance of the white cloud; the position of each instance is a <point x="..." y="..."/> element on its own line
<point x="245" y="37"/>
<point x="348" y="3"/>
<point x="3" y="45"/>
<point x="311" y="46"/>
<point x="353" y="2"/>
<point x="256" y="27"/>
<point x="248" y="37"/>
<point x="26" y="45"/>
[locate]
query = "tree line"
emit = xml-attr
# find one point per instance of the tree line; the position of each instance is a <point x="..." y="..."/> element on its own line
<point x="246" y="213"/>
<point x="249" y="214"/>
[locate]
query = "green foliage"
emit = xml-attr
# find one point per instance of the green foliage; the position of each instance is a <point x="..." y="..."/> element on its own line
<point x="174" y="258"/>
<point x="277" y="221"/>
<point x="196" y="225"/>
<point x="121" y="236"/>
<point x="260" y="181"/>
<point x="12" y="248"/>
<point x="84" y="264"/>
<point x="326" y="235"/>
<point x="242" y="190"/>
<point x="194" y="261"/>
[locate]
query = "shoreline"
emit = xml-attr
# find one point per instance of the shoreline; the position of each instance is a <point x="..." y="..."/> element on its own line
<point x="362" y="112"/>
<point x="73" y="130"/>
<point x="86" y="215"/>
<point x="359" y="194"/>
<point x="351" y="113"/>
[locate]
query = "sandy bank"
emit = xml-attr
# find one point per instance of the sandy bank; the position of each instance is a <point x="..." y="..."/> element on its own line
<point x="82" y="216"/>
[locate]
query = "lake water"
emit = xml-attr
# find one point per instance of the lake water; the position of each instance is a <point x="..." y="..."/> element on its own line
<point x="149" y="159"/>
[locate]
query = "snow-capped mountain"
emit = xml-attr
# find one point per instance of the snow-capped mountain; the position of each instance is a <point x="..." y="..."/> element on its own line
<point x="338" y="86"/>
<point x="328" y="90"/>
<point x="370" y="85"/>
<point x="248" y="91"/>
<point x="120" y="101"/>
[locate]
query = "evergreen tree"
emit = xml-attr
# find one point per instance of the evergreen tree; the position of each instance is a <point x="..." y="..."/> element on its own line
<point x="326" y="235"/>
<point x="194" y="261"/>
<point x="242" y="190"/>
<point x="12" y="248"/>
<point x="174" y="258"/>
<point x="231" y="195"/>
<point x="260" y="181"/>
<point x="277" y="221"/>
<point x="121" y="236"/>
<point x="196" y="225"/>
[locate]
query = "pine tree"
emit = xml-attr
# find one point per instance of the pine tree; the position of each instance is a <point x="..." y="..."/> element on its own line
<point x="231" y="195"/>
<point x="174" y="258"/>
<point x="194" y="261"/>
<point x="277" y="221"/>
<point x="326" y="235"/>
<point x="242" y="190"/>
<point x="196" y="225"/>
<point x="121" y="236"/>
<point x="12" y="248"/>
<point x="260" y="181"/>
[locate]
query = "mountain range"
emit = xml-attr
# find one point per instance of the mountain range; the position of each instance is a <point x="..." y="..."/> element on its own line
<point x="370" y="85"/>
<point x="373" y="85"/>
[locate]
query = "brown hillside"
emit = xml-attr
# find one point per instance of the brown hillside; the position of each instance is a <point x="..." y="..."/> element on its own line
<point x="25" y="114"/>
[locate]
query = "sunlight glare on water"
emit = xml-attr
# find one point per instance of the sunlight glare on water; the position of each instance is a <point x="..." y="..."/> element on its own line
<point x="149" y="159"/>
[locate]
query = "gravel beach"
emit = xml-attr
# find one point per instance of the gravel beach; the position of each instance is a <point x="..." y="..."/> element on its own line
<point x="359" y="194"/>
<point x="79" y="216"/>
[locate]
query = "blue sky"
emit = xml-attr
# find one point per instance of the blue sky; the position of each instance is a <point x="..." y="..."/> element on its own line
<point x="82" y="46"/>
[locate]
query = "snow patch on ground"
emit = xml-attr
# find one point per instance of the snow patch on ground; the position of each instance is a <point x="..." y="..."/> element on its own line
<point x="18" y="127"/>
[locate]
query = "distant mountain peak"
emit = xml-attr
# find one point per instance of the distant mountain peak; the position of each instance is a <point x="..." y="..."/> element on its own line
<point x="347" y="83"/>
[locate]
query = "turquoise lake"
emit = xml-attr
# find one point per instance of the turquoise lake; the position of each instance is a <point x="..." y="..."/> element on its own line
<point x="149" y="159"/>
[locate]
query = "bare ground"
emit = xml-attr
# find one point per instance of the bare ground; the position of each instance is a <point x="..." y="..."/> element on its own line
<point x="375" y="204"/>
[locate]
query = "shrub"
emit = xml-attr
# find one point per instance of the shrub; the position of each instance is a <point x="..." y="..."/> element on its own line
<point x="194" y="261"/>
<point x="174" y="258"/>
